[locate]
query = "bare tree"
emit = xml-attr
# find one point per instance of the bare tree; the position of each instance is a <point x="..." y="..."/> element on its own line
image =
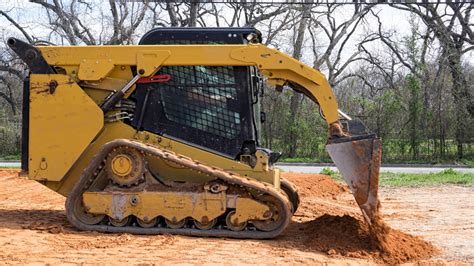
<point x="70" y="20"/>
<point x="338" y="33"/>
<point x="451" y="26"/>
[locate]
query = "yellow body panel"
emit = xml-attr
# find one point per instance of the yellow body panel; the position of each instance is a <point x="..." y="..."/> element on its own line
<point x="63" y="122"/>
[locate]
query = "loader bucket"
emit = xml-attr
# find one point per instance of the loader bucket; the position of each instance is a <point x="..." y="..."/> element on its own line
<point x="358" y="161"/>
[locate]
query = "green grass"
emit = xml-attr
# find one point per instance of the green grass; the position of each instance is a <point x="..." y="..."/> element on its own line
<point x="14" y="157"/>
<point x="448" y="176"/>
<point x="467" y="162"/>
<point x="334" y="174"/>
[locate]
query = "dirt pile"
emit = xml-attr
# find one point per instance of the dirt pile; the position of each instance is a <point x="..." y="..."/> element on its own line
<point x="310" y="185"/>
<point x="348" y="235"/>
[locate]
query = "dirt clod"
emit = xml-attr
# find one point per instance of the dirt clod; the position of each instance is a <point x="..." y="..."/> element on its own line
<point x="332" y="252"/>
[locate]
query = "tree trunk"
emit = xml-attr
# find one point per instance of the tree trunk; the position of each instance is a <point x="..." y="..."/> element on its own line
<point x="461" y="97"/>
<point x="296" y="98"/>
<point x="193" y="10"/>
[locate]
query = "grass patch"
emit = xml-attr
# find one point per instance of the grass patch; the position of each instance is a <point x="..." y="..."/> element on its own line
<point x="14" y="157"/>
<point x="334" y="174"/>
<point x="448" y="176"/>
<point x="467" y="161"/>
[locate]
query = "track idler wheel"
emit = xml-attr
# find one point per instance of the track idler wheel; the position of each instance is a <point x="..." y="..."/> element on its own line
<point x="233" y="223"/>
<point x="292" y="192"/>
<point x="276" y="219"/>
<point x="84" y="216"/>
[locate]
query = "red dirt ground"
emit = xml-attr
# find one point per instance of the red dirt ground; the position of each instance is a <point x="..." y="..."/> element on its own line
<point x="327" y="228"/>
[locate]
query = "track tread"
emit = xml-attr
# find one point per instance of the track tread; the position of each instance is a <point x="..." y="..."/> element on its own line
<point x="92" y="170"/>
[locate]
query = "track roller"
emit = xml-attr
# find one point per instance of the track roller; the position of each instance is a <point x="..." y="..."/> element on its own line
<point x="120" y="223"/>
<point x="232" y="223"/>
<point x="205" y="226"/>
<point x="147" y="224"/>
<point x="175" y="225"/>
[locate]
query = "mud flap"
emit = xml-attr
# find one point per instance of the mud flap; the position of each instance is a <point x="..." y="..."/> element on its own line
<point x="358" y="160"/>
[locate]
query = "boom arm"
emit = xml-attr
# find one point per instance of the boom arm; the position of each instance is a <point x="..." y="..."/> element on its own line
<point x="95" y="62"/>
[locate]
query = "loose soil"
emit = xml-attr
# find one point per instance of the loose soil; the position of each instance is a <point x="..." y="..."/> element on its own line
<point x="327" y="228"/>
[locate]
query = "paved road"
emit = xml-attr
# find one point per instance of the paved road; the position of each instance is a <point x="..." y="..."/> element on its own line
<point x="10" y="164"/>
<point x="405" y="169"/>
<point x="317" y="169"/>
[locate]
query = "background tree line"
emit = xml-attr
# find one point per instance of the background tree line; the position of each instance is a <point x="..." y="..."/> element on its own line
<point x="412" y="85"/>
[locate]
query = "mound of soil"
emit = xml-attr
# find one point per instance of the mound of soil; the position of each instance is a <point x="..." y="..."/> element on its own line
<point x="348" y="236"/>
<point x="316" y="185"/>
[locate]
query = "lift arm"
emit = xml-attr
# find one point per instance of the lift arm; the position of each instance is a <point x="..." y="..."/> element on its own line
<point x="95" y="62"/>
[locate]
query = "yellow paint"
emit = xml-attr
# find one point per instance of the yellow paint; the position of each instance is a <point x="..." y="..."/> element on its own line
<point x="277" y="66"/>
<point x="121" y="165"/>
<point x="249" y="209"/>
<point x="116" y="130"/>
<point x="94" y="69"/>
<point x="173" y="172"/>
<point x="63" y="122"/>
<point x="174" y="206"/>
<point x="150" y="61"/>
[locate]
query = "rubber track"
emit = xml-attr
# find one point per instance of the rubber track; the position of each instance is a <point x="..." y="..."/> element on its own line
<point x="96" y="164"/>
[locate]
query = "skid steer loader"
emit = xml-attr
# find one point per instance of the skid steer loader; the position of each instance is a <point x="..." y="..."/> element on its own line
<point x="163" y="137"/>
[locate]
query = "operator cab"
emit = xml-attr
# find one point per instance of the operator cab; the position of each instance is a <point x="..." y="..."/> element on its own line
<point x="213" y="108"/>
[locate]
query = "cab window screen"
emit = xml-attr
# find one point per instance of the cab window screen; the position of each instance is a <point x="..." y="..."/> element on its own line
<point x="202" y="98"/>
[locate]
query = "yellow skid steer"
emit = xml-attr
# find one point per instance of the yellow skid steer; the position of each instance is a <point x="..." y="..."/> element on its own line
<point x="163" y="136"/>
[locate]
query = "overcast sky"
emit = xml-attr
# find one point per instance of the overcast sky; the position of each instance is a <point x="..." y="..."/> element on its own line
<point x="33" y="17"/>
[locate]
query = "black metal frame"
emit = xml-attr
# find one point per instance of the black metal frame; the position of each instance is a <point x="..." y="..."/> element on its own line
<point x="25" y="124"/>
